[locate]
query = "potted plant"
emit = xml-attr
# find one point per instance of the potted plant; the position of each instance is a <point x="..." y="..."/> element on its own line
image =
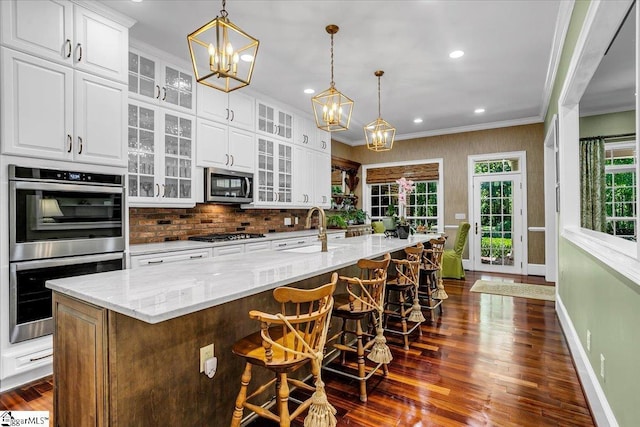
<point x="389" y="221"/>
<point x="336" y="221"/>
<point x="405" y="187"/>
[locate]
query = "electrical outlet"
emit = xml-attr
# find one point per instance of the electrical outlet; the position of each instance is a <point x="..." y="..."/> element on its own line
<point x="206" y="352"/>
<point x="296" y="220"/>
<point x="602" y="366"/>
<point x="588" y="340"/>
<point x="287" y="220"/>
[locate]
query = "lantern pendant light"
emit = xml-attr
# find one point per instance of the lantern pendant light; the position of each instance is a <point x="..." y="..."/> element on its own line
<point x="222" y="54"/>
<point x="379" y="134"/>
<point x="331" y="108"/>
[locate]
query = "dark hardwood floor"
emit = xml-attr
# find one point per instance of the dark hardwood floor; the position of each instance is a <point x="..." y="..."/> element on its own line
<point x="487" y="361"/>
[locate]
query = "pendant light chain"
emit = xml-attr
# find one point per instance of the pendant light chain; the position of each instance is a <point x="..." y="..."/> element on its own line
<point x="224" y="12"/>
<point x="332" y="82"/>
<point x="379" y="113"/>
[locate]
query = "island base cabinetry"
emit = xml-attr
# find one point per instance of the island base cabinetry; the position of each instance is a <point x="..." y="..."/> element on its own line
<point x="114" y="370"/>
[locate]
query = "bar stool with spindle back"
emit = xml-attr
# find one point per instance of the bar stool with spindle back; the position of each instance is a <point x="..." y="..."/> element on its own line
<point x="431" y="290"/>
<point x="364" y="301"/>
<point x="405" y="307"/>
<point x="288" y="340"/>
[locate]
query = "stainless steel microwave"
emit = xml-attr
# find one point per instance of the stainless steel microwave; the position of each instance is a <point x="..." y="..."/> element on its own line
<point x="224" y="186"/>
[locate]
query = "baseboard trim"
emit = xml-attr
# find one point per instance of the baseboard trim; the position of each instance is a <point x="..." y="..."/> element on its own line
<point x="466" y="264"/>
<point x="600" y="409"/>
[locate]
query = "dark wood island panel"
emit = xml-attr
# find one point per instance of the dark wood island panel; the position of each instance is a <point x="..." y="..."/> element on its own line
<point x="114" y="370"/>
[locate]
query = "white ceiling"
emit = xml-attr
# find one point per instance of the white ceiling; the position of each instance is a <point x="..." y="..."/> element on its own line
<point x="508" y="48"/>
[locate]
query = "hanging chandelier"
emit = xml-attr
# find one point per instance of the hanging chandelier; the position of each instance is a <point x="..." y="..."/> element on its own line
<point x="379" y="134"/>
<point x="222" y="54"/>
<point x="331" y="108"/>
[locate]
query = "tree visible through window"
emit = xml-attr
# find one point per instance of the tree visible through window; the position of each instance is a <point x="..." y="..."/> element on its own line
<point x="422" y="204"/>
<point x="621" y="196"/>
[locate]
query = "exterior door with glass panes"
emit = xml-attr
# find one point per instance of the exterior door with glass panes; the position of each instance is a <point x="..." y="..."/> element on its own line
<point x="497" y="223"/>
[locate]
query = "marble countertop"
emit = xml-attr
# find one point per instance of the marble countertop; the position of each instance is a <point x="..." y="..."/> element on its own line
<point x="181" y="245"/>
<point x="162" y="292"/>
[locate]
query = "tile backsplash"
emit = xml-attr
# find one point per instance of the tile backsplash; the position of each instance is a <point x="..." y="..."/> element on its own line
<point x="149" y="225"/>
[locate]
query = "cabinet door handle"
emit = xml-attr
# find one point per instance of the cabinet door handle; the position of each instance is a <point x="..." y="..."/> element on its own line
<point x="80" y="52"/>
<point x="158" y="190"/>
<point x="476" y="228"/>
<point x="227" y="118"/>
<point x="158" y="88"/>
<point x="164" y="190"/>
<point x="70" y="143"/>
<point x="164" y="93"/>
<point x="276" y="129"/>
<point x="232" y="160"/>
<point x="160" y="261"/>
<point x="227" y="162"/>
<point x="196" y="256"/>
<point x="280" y="245"/>
<point x="68" y="44"/>
<point x="233" y="115"/>
<point x="80" y="148"/>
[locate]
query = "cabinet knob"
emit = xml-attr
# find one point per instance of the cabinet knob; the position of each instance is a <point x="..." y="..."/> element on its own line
<point x="68" y="44"/>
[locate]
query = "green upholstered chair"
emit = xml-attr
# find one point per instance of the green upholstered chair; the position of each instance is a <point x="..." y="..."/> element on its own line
<point x="452" y="258"/>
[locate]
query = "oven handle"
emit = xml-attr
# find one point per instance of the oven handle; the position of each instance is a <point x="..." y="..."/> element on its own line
<point x="61" y="262"/>
<point x="50" y="186"/>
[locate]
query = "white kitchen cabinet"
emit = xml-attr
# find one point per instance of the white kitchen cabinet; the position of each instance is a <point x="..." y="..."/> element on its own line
<point x="322" y="179"/>
<point x="165" y="84"/>
<point x="168" y="257"/>
<point x="323" y="140"/>
<point x="274" y="172"/>
<point x="305" y="132"/>
<point x="303" y="171"/>
<point x="234" y="109"/>
<point x="222" y="146"/>
<point x="293" y="243"/>
<point x="66" y="33"/>
<point x="311" y="178"/>
<point x="274" y="121"/>
<point x="228" y="250"/>
<point x="161" y="166"/>
<point x="51" y="111"/>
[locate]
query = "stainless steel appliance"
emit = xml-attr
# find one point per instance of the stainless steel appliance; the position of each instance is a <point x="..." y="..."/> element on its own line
<point x="223" y="186"/>
<point x="61" y="224"/>
<point x="225" y="237"/>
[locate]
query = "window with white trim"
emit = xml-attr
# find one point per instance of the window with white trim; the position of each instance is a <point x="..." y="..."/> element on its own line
<point x="620" y="189"/>
<point x="422" y="203"/>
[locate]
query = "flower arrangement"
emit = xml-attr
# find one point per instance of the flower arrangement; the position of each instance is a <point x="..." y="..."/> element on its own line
<point x="405" y="188"/>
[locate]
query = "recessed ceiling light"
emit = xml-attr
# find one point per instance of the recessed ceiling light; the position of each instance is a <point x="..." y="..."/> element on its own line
<point x="309" y="91"/>
<point x="456" y="54"/>
<point x="137" y="1"/>
<point x="246" y="57"/>
<point x="479" y="110"/>
<point x="418" y="120"/>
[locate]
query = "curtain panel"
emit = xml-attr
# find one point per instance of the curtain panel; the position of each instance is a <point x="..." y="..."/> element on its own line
<point x="592" y="184"/>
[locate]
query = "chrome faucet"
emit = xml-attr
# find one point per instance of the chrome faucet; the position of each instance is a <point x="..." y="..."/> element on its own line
<point x="322" y="217"/>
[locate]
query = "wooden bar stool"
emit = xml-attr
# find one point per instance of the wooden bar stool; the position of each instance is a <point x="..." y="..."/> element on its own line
<point x="405" y="307"/>
<point x="431" y="291"/>
<point x="287" y="340"/>
<point x="363" y="302"/>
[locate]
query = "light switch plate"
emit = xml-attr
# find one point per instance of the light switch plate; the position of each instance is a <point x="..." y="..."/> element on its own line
<point x="461" y="216"/>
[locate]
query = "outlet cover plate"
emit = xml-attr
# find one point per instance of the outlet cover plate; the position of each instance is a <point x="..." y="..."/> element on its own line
<point x="206" y="352"/>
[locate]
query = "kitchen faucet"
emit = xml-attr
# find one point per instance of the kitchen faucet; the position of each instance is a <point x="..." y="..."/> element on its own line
<point x="322" y="217"/>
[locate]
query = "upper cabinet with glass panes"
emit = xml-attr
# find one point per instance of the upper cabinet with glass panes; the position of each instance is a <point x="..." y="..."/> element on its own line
<point x="153" y="80"/>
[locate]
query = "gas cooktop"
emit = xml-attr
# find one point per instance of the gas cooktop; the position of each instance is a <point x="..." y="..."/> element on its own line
<point x="224" y="237"/>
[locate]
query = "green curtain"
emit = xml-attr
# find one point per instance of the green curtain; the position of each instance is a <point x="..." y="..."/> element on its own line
<point x="592" y="184"/>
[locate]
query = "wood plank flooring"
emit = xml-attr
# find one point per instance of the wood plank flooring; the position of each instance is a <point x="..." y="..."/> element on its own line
<point x="489" y="360"/>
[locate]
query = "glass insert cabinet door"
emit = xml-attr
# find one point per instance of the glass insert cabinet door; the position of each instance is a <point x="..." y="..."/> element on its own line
<point x="142" y="152"/>
<point x="178" y="144"/>
<point x="266" y="171"/>
<point x="497" y="223"/>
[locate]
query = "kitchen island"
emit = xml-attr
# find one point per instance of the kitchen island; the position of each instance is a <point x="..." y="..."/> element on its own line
<point x="127" y="343"/>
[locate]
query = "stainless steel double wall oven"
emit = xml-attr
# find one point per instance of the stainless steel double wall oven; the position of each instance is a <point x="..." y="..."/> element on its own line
<point x="61" y="224"/>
